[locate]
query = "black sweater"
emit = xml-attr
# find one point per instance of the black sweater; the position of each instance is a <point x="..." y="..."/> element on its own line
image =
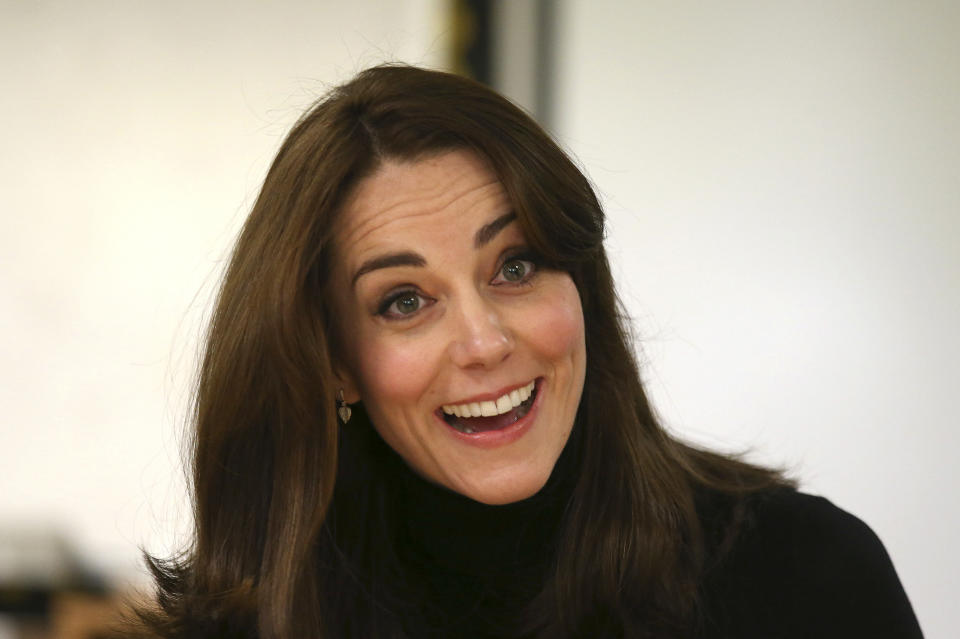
<point x="800" y="568"/>
<point x="804" y="568"/>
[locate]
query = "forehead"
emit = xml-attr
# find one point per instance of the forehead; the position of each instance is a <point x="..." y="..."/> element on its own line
<point x="447" y="193"/>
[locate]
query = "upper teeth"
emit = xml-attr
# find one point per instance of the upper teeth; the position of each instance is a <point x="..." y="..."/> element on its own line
<point x="503" y="404"/>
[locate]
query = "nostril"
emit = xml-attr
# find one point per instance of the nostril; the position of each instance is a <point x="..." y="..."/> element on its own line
<point x="481" y="339"/>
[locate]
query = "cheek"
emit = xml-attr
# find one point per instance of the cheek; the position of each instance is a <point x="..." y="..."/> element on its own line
<point x="556" y="329"/>
<point x="394" y="375"/>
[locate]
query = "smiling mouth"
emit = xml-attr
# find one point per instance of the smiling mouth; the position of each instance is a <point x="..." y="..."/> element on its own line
<point x="478" y="417"/>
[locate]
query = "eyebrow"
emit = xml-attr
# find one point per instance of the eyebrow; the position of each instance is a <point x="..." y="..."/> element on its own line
<point x="406" y="258"/>
<point x="483" y="236"/>
<point x="489" y="231"/>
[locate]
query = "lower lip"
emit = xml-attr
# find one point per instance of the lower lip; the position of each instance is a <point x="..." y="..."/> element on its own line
<point x="504" y="436"/>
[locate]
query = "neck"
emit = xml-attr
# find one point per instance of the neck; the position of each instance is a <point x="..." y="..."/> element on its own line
<point x="467" y="537"/>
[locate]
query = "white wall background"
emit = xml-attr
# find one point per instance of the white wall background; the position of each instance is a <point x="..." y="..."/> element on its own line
<point x="783" y="185"/>
<point x="135" y="136"/>
<point x="781" y="181"/>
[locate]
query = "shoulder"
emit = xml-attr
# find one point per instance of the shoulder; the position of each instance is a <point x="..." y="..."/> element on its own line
<point x="814" y="535"/>
<point x="800" y="567"/>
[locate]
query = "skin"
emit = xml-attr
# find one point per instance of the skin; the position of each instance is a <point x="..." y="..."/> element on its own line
<point x="471" y="319"/>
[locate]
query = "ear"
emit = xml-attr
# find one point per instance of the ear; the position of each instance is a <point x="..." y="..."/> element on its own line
<point x="346" y="381"/>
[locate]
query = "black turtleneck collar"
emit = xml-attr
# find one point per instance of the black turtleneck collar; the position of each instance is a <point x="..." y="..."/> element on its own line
<point x="471" y="538"/>
<point x="481" y="564"/>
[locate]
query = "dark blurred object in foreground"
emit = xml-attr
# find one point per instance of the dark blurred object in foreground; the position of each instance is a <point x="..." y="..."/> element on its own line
<point x="47" y="593"/>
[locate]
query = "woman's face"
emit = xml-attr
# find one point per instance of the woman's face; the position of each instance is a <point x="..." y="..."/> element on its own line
<point x="445" y="314"/>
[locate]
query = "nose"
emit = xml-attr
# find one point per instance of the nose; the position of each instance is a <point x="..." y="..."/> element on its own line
<point x="481" y="339"/>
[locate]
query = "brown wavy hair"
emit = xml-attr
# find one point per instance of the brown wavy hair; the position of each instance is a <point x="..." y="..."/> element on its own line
<point x="294" y="529"/>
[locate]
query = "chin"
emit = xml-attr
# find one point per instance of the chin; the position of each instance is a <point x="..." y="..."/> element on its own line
<point x="506" y="490"/>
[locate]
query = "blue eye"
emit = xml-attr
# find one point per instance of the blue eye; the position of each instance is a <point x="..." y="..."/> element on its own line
<point x="406" y="304"/>
<point x="402" y="304"/>
<point x="515" y="270"/>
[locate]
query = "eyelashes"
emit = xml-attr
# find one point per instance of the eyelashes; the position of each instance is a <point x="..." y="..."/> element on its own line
<point x="401" y="304"/>
<point x="517" y="268"/>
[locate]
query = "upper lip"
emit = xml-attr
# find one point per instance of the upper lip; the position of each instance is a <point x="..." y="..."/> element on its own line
<point x="491" y="396"/>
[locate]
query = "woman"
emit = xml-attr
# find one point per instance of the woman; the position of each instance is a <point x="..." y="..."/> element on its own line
<point x="419" y="414"/>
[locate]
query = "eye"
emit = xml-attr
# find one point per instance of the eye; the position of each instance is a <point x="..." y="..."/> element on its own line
<point x="515" y="270"/>
<point x="402" y="304"/>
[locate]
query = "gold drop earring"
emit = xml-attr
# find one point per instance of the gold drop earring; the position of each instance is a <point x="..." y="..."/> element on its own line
<point x="343" y="409"/>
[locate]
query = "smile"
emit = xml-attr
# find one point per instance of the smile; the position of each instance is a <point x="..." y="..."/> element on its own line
<point x="495" y="414"/>
<point x="503" y="404"/>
